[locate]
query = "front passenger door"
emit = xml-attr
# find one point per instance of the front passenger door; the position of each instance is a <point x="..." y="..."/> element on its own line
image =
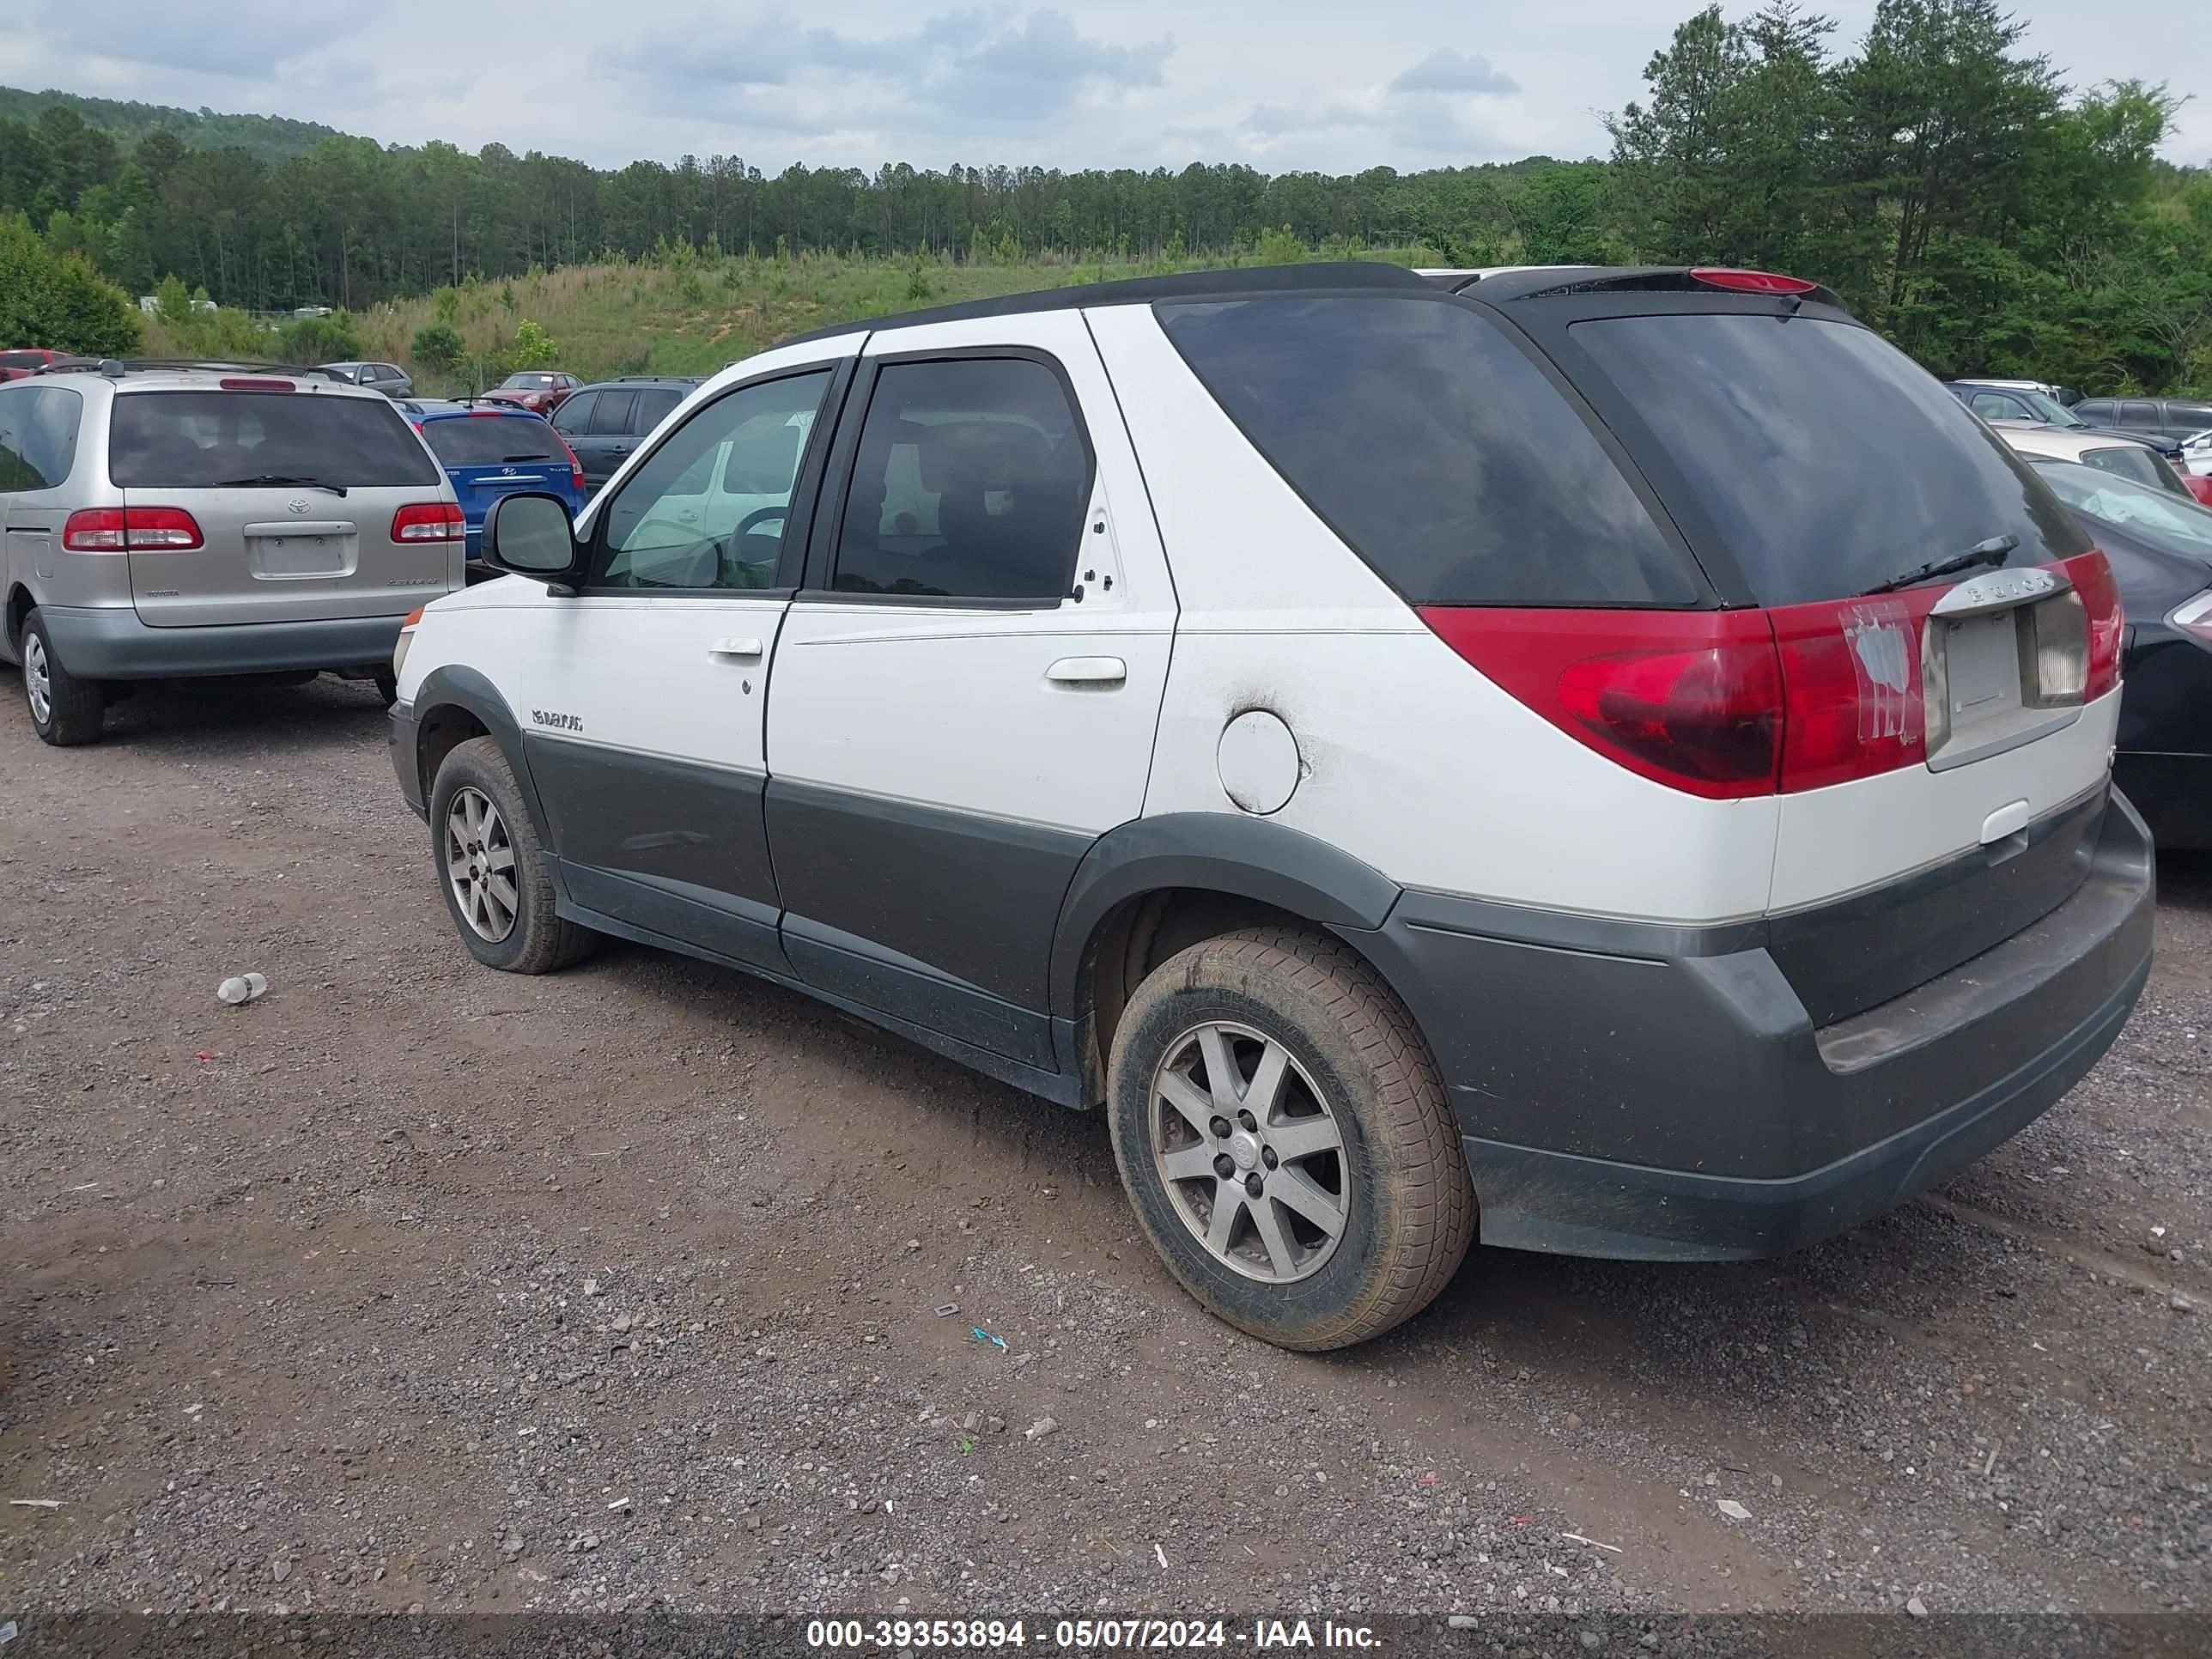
<point x="644" y="696"/>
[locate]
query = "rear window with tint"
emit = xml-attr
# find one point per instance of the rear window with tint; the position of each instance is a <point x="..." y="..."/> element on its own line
<point x="489" y="440"/>
<point x="204" y="439"/>
<point x="654" y="407"/>
<point x="1826" y="459"/>
<point x="1438" y="451"/>
<point x="2132" y="461"/>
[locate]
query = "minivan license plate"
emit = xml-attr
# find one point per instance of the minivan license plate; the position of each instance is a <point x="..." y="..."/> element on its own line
<point x="300" y="555"/>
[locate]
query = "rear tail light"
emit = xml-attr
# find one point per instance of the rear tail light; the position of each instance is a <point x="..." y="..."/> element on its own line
<point x="428" y="521"/>
<point x="575" y="466"/>
<point x="131" y="529"/>
<point x="2091" y="576"/>
<point x="1727" y="704"/>
<point x="1751" y="282"/>
<point x="236" y="383"/>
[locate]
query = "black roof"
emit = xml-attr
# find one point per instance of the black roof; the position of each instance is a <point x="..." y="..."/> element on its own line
<point x="1331" y="276"/>
<point x="1324" y="275"/>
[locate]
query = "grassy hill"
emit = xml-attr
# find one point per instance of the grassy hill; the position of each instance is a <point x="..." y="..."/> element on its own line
<point x="689" y="316"/>
<point x="269" y="138"/>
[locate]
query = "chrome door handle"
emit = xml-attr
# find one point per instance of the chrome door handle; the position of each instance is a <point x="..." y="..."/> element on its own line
<point x="1088" y="670"/>
<point x="743" y="649"/>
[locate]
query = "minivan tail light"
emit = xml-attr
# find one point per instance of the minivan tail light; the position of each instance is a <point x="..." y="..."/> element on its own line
<point x="130" y="530"/>
<point x="428" y="521"/>
<point x="1751" y="282"/>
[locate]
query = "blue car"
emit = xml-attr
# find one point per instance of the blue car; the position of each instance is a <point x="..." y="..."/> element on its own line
<point x="489" y="452"/>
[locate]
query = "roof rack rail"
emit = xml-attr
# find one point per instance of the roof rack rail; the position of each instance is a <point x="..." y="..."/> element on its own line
<point x="212" y="365"/>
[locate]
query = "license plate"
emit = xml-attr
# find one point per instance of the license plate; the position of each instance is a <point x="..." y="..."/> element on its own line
<point x="300" y="555"/>
<point x="1981" y="658"/>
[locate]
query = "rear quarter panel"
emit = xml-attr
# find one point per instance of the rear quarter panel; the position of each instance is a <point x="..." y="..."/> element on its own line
<point x="1410" y="759"/>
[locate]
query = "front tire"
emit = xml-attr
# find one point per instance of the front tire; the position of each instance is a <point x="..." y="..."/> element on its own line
<point x="491" y="867"/>
<point x="65" y="710"/>
<point x="1286" y="1140"/>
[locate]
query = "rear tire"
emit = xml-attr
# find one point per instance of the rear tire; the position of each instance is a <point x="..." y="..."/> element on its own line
<point x="491" y="867"/>
<point x="1346" y="1192"/>
<point x="65" y="710"/>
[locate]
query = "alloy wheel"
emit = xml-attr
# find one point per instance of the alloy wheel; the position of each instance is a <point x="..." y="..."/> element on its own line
<point x="1250" y="1152"/>
<point x="37" y="678"/>
<point x="480" y="865"/>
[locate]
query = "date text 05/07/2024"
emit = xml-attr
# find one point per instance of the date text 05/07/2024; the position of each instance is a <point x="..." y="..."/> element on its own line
<point x="1087" y="1635"/>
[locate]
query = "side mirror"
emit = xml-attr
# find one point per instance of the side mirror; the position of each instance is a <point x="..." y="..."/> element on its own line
<point x="529" y="534"/>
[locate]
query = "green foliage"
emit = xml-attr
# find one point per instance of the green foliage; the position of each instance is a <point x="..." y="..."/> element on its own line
<point x="331" y="339"/>
<point x="57" y="301"/>
<point x="171" y="301"/>
<point x="1934" y="171"/>
<point x="438" y="346"/>
<point x="534" y="347"/>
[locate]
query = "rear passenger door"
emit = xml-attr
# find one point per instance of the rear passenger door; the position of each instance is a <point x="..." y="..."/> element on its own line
<point x="643" y="697"/>
<point x="966" y="691"/>
<point x="39" y="426"/>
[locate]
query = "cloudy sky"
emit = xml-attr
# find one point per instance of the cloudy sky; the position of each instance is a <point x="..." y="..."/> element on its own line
<point x="1279" y="83"/>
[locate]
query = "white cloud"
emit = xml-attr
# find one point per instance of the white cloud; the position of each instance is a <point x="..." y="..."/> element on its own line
<point x="1281" y="83"/>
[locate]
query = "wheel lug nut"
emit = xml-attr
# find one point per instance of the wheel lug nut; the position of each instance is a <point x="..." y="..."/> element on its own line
<point x="1223" y="1167"/>
<point x="1220" y="1128"/>
<point x="1254" y="1186"/>
<point x="1247" y="1119"/>
<point x="1267" y="1157"/>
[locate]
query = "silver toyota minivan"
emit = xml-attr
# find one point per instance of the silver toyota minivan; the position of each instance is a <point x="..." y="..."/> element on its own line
<point x="192" y="520"/>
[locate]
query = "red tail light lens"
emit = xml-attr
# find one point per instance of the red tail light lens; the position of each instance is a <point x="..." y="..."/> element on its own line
<point x="1692" y="699"/>
<point x="1751" y="282"/>
<point x="1732" y="703"/>
<point x="575" y="466"/>
<point x="2091" y="576"/>
<point x="428" y="521"/>
<point x="133" y="529"/>
<point x="236" y="383"/>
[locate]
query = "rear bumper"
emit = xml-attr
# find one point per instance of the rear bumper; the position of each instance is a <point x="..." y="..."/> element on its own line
<point x="1686" y="1107"/>
<point x="110" y="643"/>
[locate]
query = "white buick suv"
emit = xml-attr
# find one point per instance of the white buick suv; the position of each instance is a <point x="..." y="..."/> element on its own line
<point x="1604" y="761"/>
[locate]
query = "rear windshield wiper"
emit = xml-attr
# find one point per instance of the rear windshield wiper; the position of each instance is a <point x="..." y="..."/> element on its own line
<point x="276" y="481"/>
<point x="1995" y="551"/>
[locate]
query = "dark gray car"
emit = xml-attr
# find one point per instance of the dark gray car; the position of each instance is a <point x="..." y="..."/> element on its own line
<point x="605" y="421"/>
<point x="2167" y="417"/>
<point x="390" y="379"/>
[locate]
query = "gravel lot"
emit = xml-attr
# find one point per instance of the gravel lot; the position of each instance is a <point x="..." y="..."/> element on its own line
<point x="416" y="1285"/>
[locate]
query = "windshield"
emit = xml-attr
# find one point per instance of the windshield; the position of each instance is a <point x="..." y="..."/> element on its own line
<point x="1822" y="458"/>
<point x="2170" y="523"/>
<point x="2050" y="411"/>
<point x="530" y="382"/>
<point x="490" y="440"/>
<point x="197" y="440"/>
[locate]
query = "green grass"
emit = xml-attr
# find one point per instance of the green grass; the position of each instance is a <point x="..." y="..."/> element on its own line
<point x="694" y="314"/>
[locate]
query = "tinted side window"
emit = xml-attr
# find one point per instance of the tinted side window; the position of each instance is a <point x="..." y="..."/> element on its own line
<point x="575" y="416"/>
<point x="2137" y="414"/>
<point x="610" y="418"/>
<point x="653" y="408"/>
<point x="970" y="483"/>
<point x="2097" y="411"/>
<point x="38" y="436"/>
<point x="2196" y="416"/>
<point x="1434" y="447"/>
<point x="709" y="508"/>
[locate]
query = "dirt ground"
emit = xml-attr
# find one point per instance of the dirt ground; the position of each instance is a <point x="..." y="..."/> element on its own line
<point x="416" y="1285"/>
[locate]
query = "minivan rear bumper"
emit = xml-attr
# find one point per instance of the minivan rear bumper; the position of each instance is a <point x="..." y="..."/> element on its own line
<point x="110" y="642"/>
<point x="1683" y="1106"/>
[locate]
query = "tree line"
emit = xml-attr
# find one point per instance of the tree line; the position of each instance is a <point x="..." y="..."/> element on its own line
<point x="1937" y="173"/>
